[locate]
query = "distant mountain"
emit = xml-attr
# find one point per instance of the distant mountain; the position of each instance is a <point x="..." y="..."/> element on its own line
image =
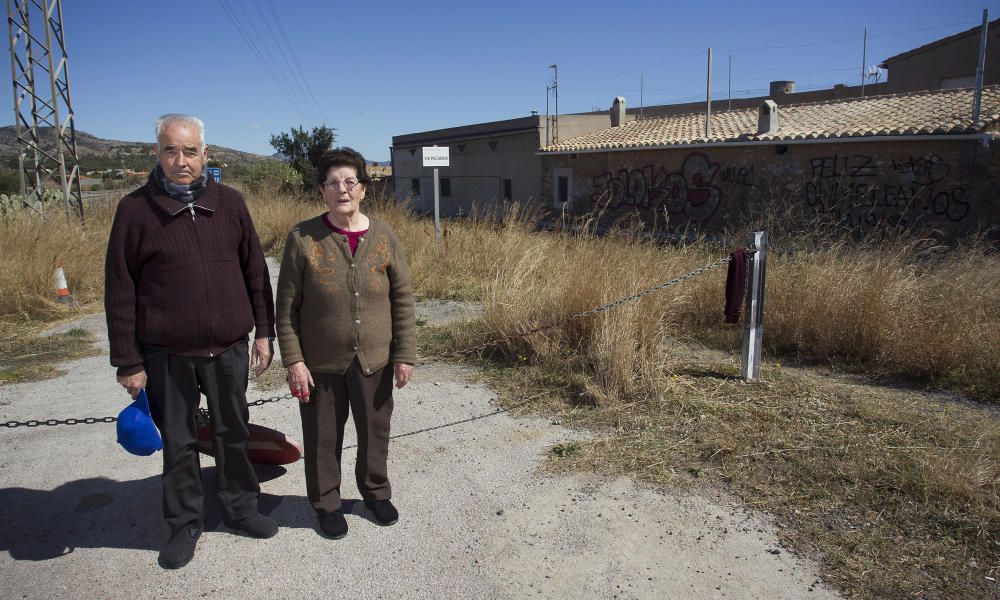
<point x="99" y="153"/>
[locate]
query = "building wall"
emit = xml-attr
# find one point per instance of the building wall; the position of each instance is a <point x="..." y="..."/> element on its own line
<point x="955" y="60"/>
<point x="951" y="186"/>
<point x="481" y="157"/>
<point x="476" y="172"/>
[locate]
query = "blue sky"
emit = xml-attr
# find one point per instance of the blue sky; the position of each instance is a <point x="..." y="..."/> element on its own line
<point x="377" y="69"/>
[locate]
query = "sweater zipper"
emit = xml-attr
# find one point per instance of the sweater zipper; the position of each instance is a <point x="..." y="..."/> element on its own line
<point x="204" y="270"/>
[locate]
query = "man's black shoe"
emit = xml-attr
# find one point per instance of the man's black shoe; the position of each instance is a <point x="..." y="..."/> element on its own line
<point x="333" y="524"/>
<point x="385" y="513"/>
<point x="257" y="526"/>
<point x="180" y="548"/>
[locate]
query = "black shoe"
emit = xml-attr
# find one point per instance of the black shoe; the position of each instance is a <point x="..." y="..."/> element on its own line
<point x="257" y="526"/>
<point x="333" y="524"/>
<point x="180" y="548"/>
<point x="385" y="513"/>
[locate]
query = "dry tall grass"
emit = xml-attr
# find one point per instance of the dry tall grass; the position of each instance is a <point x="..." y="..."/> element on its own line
<point x="29" y="246"/>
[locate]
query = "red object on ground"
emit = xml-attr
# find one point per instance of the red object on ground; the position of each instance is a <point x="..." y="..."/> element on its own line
<point x="266" y="447"/>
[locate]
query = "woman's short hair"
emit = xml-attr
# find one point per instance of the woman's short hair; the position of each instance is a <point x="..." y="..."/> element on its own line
<point x="342" y="157"/>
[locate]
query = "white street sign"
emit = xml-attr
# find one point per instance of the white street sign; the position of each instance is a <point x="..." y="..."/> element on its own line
<point x="435" y="156"/>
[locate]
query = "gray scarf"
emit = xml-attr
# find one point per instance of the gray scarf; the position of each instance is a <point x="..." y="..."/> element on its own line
<point x="186" y="193"/>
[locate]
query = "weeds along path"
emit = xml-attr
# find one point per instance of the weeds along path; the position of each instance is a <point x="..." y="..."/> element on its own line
<point x="479" y="519"/>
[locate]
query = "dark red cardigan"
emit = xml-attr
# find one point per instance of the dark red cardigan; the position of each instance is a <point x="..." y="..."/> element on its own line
<point x="190" y="280"/>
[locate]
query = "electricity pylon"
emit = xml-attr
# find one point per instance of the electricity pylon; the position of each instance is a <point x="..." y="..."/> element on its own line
<point x="43" y="113"/>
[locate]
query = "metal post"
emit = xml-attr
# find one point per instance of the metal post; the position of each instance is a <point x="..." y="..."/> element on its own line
<point x="864" y="59"/>
<point x="977" y="102"/>
<point x="753" y="332"/>
<point x="555" y="93"/>
<point x="730" y="106"/>
<point x="548" y="134"/>
<point x="708" y="98"/>
<point x="437" y="207"/>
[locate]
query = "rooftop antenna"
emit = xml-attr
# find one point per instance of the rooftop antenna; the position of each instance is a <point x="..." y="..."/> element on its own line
<point x="864" y="59"/>
<point x="555" y="92"/>
<point x="54" y="160"/>
<point x="978" y="98"/>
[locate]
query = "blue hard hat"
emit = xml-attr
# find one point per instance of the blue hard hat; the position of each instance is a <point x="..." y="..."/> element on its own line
<point x="136" y="431"/>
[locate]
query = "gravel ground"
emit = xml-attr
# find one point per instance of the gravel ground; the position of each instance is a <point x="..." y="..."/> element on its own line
<point x="80" y="517"/>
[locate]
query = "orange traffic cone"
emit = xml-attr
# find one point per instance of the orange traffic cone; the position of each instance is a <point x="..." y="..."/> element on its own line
<point x="62" y="288"/>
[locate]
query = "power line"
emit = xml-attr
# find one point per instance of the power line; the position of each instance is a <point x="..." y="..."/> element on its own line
<point x="295" y="58"/>
<point x="274" y="63"/>
<point x="253" y="49"/>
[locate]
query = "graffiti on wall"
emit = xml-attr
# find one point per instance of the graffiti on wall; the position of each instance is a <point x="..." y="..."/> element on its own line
<point x="860" y="191"/>
<point x="689" y="192"/>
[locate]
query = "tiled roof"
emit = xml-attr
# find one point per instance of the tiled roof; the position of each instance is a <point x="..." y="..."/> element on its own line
<point x="920" y="113"/>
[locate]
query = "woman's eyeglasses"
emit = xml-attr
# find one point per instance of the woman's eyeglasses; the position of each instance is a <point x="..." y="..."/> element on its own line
<point x="333" y="184"/>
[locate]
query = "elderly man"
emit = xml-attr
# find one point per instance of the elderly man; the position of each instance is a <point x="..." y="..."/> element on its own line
<point x="185" y="283"/>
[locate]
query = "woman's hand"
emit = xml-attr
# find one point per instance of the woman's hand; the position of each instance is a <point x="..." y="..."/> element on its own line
<point x="402" y="372"/>
<point x="300" y="381"/>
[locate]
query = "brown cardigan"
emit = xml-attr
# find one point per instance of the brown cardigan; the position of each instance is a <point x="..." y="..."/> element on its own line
<point x="191" y="280"/>
<point x="332" y="307"/>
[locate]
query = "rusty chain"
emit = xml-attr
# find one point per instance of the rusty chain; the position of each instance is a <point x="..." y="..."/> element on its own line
<point x="586" y="313"/>
<point x="577" y="316"/>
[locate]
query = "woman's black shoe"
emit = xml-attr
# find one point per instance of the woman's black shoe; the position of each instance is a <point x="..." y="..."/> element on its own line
<point x="385" y="513"/>
<point x="333" y="524"/>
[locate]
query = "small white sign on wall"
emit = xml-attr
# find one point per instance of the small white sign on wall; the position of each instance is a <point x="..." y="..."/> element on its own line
<point x="435" y="156"/>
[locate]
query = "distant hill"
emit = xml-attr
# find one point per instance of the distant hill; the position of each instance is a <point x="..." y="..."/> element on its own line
<point x="97" y="153"/>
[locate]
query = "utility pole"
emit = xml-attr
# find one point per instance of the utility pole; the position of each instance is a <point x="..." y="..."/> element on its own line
<point x="864" y="59"/>
<point x="54" y="157"/>
<point x="642" y="85"/>
<point x="548" y="131"/>
<point x="730" y="105"/>
<point x="708" y="98"/>
<point x="978" y="99"/>
<point x="555" y="90"/>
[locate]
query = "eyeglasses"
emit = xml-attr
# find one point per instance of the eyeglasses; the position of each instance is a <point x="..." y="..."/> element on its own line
<point x="333" y="184"/>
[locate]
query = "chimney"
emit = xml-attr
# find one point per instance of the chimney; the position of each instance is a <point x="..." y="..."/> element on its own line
<point x="767" y="118"/>
<point x="780" y="88"/>
<point x="618" y="112"/>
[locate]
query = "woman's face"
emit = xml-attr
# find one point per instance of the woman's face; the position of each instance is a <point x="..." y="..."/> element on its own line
<point x="342" y="191"/>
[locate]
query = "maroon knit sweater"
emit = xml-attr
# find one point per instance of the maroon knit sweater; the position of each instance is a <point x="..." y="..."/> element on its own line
<point x="189" y="279"/>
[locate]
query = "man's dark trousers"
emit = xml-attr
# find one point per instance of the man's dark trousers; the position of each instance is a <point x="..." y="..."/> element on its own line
<point x="174" y="386"/>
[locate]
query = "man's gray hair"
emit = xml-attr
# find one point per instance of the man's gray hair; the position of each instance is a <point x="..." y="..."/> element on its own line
<point x="164" y="120"/>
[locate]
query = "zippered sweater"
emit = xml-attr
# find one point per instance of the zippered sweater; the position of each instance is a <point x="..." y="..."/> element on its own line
<point x="187" y="278"/>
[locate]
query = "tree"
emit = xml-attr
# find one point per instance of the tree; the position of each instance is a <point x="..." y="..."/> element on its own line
<point x="303" y="149"/>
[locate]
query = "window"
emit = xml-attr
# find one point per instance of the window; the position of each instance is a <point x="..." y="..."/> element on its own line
<point x="563" y="189"/>
<point x="415" y="185"/>
<point x="445" y="187"/>
<point x="506" y="189"/>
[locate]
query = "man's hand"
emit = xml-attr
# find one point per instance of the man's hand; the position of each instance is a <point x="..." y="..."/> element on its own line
<point x="133" y="383"/>
<point x="402" y="372"/>
<point x="261" y="355"/>
<point x="300" y="381"/>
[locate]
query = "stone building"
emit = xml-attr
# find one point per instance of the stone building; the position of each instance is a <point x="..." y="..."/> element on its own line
<point x="905" y="161"/>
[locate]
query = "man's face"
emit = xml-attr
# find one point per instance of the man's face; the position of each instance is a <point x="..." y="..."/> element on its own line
<point x="179" y="153"/>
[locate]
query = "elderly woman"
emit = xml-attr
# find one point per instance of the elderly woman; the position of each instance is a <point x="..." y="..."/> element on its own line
<point x="346" y="329"/>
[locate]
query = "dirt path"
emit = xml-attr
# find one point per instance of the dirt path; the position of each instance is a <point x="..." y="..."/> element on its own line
<point x="80" y="517"/>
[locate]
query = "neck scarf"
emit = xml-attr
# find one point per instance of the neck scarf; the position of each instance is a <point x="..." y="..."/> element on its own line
<point x="186" y="193"/>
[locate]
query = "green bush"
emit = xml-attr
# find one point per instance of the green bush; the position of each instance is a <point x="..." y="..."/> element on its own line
<point x="272" y="175"/>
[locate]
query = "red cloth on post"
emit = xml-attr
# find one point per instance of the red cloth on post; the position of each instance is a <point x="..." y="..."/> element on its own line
<point x="736" y="285"/>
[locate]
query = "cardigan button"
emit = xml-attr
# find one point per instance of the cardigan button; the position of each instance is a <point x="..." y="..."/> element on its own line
<point x="361" y="239"/>
<point x="357" y="321"/>
<point x="367" y="371"/>
<point x="355" y="347"/>
<point x="357" y="294"/>
<point x="352" y="265"/>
